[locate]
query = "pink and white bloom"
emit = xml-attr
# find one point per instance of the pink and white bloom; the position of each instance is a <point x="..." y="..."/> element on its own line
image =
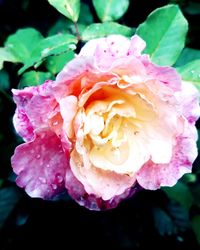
<point x="110" y="120"/>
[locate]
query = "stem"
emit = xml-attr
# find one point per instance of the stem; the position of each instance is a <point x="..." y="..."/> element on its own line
<point x="77" y="31"/>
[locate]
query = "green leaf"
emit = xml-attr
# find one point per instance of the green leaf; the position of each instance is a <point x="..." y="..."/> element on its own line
<point x="192" y="8"/>
<point x="85" y="15"/>
<point x="6" y="56"/>
<point x="191" y="72"/>
<point x="63" y="25"/>
<point x="66" y="26"/>
<point x="164" y="32"/>
<point x="163" y="223"/>
<point x="52" y="45"/>
<point x="97" y="30"/>
<point x="34" y="78"/>
<point x="196" y="227"/>
<point x="9" y="197"/>
<point x="55" y="44"/>
<point x="187" y="55"/>
<point x="172" y="220"/>
<point x="180" y="193"/>
<point x="4" y="80"/>
<point x="190" y="178"/>
<point x="55" y="63"/>
<point x="179" y="215"/>
<point x="69" y="8"/>
<point x="110" y="10"/>
<point x="22" y="43"/>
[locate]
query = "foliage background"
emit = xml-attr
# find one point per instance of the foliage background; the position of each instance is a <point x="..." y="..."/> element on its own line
<point x="165" y="218"/>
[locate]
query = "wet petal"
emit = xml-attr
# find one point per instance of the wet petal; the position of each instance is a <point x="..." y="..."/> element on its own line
<point x="105" y="184"/>
<point x="41" y="165"/>
<point x="153" y="176"/>
<point x="27" y="118"/>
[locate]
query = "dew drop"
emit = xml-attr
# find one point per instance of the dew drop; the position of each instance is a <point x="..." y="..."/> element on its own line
<point x="192" y="71"/>
<point x="55" y="123"/>
<point x="54" y="186"/>
<point x="59" y="178"/>
<point x="48" y="166"/>
<point x="199" y="75"/>
<point x="43" y="180"/>
<point x="43" y="135"/>
<point x="38" y="156"/>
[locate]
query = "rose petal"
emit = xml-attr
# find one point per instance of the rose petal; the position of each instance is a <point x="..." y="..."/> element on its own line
<point x="166" y="75"/>
<point x="105" y="184"/>
<point x="77" y="192"/>
<point x="153" y="176"/>
<point x="137" y="46"/>
<point x="23" y="125"/>
<point x="115" y="45"/>
<point x="27" y="118"/>
<point x="68" y="109"/>
<point x="189" y="100"/>
<point x="68" y="81"/>
<point x="44" y="109"/>
<point x="41" y="165"/>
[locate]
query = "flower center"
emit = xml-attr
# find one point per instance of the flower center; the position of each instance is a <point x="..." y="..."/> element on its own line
<point x="113" y="125"/>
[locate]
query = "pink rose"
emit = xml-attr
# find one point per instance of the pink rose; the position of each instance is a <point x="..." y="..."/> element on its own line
<point x="110" y="120"/>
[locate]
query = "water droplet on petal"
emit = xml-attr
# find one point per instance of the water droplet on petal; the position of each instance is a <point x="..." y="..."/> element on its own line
<point x="43" y="180"/>
<point x="54" y="186"/>
<point x="42" y="135"/>
<point x="55" y="123"/>
<point x="47" y="165"/>
<point x="38" y="156"/>
<point x="59" y="178"/>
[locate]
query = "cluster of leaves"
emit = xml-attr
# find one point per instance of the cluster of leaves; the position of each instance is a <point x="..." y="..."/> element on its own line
<point x="39" y="58"/>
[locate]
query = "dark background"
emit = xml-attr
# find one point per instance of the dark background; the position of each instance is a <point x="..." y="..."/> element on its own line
<point x="148" y="219"/>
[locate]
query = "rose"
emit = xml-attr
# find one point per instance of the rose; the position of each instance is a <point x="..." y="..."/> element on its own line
<point x="110" y="120"/>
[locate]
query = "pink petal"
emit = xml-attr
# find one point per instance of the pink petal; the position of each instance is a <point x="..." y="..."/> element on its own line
<point x="189" y="101"/>
<point x="131" y="67"/>
<point x="23" y="125"/>
<point x="41" y="165"/>
<point x="68" y="81"/>
<point x="34" y="106"/>
<point x="153" y="176"/>
<point x="166" y="75"/>
<point x="77" y="192"/>
<point x="106" y="50"/>
<point x="104" y="184"/>
<point x="137" y="46"/>
<point x="115" y="45"/>
<point x="40" y="109"/>
<point x="78" y="75"/>
<point x="68" y="109"/>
